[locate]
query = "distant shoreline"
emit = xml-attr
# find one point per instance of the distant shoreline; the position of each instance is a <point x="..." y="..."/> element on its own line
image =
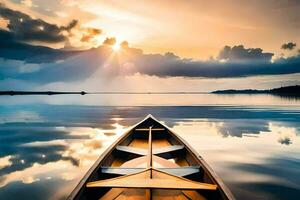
<point x="288" y="91"/>
<point x="13" y="93"/>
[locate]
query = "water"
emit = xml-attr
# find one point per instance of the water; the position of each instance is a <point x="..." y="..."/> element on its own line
<point x="47" y="143"/>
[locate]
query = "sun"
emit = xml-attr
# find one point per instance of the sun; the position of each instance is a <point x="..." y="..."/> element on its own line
<point x="116" y="47"/>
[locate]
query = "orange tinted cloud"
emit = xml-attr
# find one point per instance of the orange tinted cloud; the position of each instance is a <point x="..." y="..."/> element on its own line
<point x="89" y="34"/>
<point x="110" y="41"/>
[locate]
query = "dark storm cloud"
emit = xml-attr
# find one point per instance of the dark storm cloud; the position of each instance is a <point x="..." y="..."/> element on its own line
<point x="242" y="66"/>
<point x="23" y="27"/>
<point x="14" y="50"/>
<point x="288" y="46"/>
<point x="73" y="66"/>
<point x="240" y="53"/>
<point x="56" y="65"/>
<point x="78" y="66"/>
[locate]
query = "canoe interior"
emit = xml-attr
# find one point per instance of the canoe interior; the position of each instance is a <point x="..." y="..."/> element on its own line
<point x="176" y="169"/>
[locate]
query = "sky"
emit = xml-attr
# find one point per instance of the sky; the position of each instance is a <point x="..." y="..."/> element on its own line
<point x="156" y="45"/>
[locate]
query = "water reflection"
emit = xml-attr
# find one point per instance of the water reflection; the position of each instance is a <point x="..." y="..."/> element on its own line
<point x="152" y="100"/>
<point x="253" y="167"/>
<point x="45" y="150"/>
<point x="35" y="151"/>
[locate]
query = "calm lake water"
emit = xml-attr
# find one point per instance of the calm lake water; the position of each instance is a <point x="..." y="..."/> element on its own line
<point x="47" y="143"/>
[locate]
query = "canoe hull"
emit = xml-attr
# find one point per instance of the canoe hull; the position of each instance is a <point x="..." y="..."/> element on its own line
<point x="169" y="155"/>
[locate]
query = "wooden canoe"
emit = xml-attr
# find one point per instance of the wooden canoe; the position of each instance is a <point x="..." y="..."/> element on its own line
<point x="150" y="161"/>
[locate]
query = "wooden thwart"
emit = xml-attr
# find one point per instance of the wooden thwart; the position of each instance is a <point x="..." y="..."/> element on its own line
<point x="152" y="178"/>
<point x="159" y="180"/>
<point x="177" y="171"/>
<point x="120" y="170"/>
<point x="162" y="152"/>
<point x="181" y="171"/>
<point x="132" y="150"/>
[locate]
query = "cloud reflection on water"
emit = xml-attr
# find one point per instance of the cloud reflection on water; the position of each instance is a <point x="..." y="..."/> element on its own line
<point x="59" y="143"/>
<point x="66" y="157"/>
<point x="258" y="164"/>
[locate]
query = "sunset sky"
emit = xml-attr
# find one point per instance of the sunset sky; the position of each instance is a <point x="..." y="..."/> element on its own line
<point x="173" y="45"/>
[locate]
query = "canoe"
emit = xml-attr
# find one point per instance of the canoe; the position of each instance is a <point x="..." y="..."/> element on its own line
<point x="150" y="161"/>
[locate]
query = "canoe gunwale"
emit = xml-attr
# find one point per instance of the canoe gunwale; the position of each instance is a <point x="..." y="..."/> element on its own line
<point x="101" y="158"/>
<point x="208" y="170"/>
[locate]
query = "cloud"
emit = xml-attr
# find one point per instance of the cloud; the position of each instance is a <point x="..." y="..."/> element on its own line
<point x="74" y="66"/>
<point x="109" y="41"/>
<point x="21" y="61"/>
<point x="20" y="30"/>
<point x="239" y="127"/>
<point x="286" y="134"/>
<point x="288" y="46"/>
<point x="15" y="50"/>
<point x="285" y="140"/>
<point x="124" y="44"/>
<point x="89" y="34"/>
<point x="23" y="27"/>
<point x="28" y="3"/>
<point x="170" y="66"/>
<point x="77" y="66"/>
<point x="240" y="53"/>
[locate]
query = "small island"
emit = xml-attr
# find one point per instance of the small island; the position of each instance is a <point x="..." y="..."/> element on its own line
<point x="288" y="91"/>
